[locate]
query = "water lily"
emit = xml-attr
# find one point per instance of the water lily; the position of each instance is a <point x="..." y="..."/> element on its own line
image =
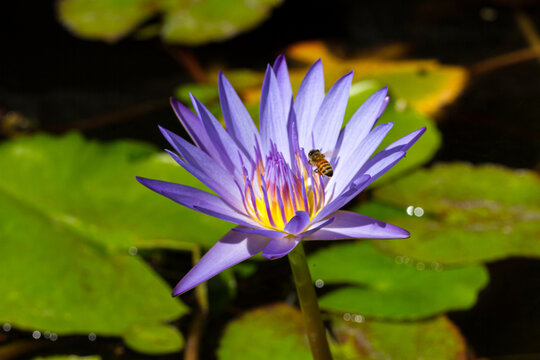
<point x="262" y="179"/>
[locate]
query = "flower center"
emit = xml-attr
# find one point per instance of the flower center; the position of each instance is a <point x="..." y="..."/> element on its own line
<point x="275" y="190"/>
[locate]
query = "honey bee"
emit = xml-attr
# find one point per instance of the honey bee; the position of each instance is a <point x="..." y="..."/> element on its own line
<point x="316" y="158"/>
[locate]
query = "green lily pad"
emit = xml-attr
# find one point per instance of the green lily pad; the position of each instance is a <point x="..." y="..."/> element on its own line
<point x="271" y="332"/>
<point x="90" y="188"/>
<point x="197" y="22"/>
<point x="464" y="213"/>
<point x="191" y="22"/>
<point x="425" y="84"/>
<point x="276" y="332"/>
<point x="71" y="213"/>
<point x="107" y="20"/>
<point x="432" y="339"/>
<point x="54" y="280"/>
<point x="154" y="339"/>
<point x="380" y="286"/>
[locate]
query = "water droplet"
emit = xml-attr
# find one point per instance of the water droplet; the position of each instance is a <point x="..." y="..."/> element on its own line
<point x="133" y="251"/>
<point x="6" y="327"/>
<point x="488" y="14"/>
<point x="419" y="212"/>
<point x="347" y="317"/>
<point x="420" y="266"/>
<point x="47" y="334"/>
<point x="358" y="318"/>
<point x="399" y="259"/>
<point x="410" y="210"/>
<point x="54" y="337"/>
<point x="406" y="259"/>
<point x="401" y="105"/>
<point x="92" y="337"/>
<point x="36" y="334"/>
<point x="319" y="283"/>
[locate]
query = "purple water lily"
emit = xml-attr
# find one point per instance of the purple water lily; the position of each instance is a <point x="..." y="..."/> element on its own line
<point x="263" y="179"/>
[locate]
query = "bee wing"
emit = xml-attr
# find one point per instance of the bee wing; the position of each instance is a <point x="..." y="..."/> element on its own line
<point x="328" y="153"/>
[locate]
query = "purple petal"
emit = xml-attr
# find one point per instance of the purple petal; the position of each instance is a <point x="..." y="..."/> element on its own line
<point x="361" y="124"/>
<point x="292" y="131"/>
<point x="237" y="119"/>
<point x="351" y="225"/>
<point x="330" y="116"/>
<point x="277" y="248"/>
<point x="192" y="124"/>
<point x="317" y="226"/>
<point x="297" y="223"/>
<point x="272" y="234"/>
<point x="230" y="250"/>
<point x="346" y="169"/>
<point x="355" y="187"/>
<point x="205" y="168"/>
<point x="373" y="171"/>
<point x="406" y="142"/>
<point x="284" y="83"/>
<point x="384" y="160"/>
<point x="227" y="150"/>
<point x="272" y="118"/>
<point x="307" y="103"/>
<point x="198" y="200"/>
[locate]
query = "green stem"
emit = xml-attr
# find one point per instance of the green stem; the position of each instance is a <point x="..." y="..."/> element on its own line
<point x="308" y="303"/>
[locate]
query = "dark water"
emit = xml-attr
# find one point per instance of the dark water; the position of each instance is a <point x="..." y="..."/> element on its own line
<point x="47" y="74"/>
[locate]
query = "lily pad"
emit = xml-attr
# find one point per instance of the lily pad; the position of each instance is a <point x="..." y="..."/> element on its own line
<point x="276" y="332"/>
<point x="54" y="280"/>
<point x="196" y="22"/>
<point x="459" y="213"/>
<point x="191" y="22"/>
<point x="90" y="188"/>
<point x="107" y="20"/>
<point x="71" y="213"/>
<point x="271" y="332"/>
<point x="425" y="84"/>
<point x="154" y="339"/>
<point x="432" y="339"/>
<point x="381" y="286"/>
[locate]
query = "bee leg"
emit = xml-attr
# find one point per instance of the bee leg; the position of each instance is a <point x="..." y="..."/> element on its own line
<point x="317" y="171"/>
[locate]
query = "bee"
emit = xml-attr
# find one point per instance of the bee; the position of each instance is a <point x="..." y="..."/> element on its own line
<point x="316" y="158"/>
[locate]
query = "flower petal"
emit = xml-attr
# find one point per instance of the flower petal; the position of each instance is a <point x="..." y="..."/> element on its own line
<point x="272" y="234"/>
<point x="361" y="123"/>
<point x="277" y="248"/>
<point x="198" y="200"/>
<point x="294" y="145"/>
<point x="284" y="83"/>
<point x="205" y="168"/>
<point x="273" y="122"/>
<point x="330" y="116"/>
<point x="307" y="103"/>
<point x="297" y="223"/>
<point x="355" y="187"/>
<point x="351" y="225"/>
<point x="193" y="126"/>
<point x="345" y="171"/>
<point x="237" y="119"/>
<point x="227" y="150"/>
<point x="317" y="226"/>
<point x="373" y="171"/>
<point x="233" y="248"/>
